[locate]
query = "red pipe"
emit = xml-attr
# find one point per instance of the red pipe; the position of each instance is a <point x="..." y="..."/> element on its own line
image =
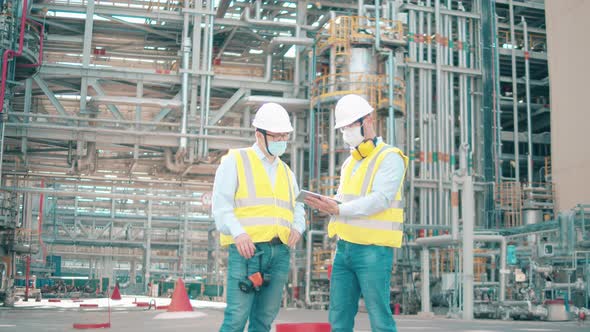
<point x="12" y="53"/>
<point x="41" y="31"/>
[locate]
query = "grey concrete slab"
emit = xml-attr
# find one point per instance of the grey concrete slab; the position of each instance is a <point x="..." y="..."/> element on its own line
<point x="145" y="321"/>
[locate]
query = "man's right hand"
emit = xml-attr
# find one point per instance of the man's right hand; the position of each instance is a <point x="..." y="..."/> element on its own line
<point x="245" y="245"/>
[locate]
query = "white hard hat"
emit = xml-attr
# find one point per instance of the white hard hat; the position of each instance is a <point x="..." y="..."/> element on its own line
<point x="272" y="117"/>
<point x="349" y="109"/>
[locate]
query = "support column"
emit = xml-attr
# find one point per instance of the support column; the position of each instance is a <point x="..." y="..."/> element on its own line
<point x="425" y="261"/>
<point x="132" y="272"/>
<point x="514" y="94"/>
<point x="185" y="240"/>
<point x="88" y="27"/>
<point x="138" y="94"/>
<point x="468" y="201"/>
<point x="28" y="103"/>
<point x="148" y="246"/>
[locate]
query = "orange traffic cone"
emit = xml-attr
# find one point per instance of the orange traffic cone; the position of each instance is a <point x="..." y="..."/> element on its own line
<point x="180" y="301"/>
<point x="116" y="294"/>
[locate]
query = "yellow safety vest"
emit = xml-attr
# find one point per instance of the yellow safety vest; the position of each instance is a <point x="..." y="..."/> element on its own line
<point x="264" y="212"/>
<point x="384" y="228"/>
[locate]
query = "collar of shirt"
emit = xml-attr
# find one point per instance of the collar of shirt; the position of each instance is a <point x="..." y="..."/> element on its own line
<point x="263" y="157"/>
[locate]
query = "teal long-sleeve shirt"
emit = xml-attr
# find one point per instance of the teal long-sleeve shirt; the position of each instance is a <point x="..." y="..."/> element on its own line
<point x="224" y="190"/>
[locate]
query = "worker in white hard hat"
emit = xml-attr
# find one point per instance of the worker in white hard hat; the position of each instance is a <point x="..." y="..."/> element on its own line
<point x="256" y="214"/>
<point x="367" y="222"/>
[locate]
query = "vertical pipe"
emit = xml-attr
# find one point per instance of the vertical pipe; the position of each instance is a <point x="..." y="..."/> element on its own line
<point x="390" y="69"/>
<point x="437" y="263"/>
<point x="294" y="162"/>
<point x="514" y="93"/>
<point x="439" y="95"/>
<point x="497" y="107"/>
<point x="430" y="124"/>
<point x="301" y="20"/>
<point x="503" y="270"/>
<point x="148" y="245"/>
<point x="196" y="65"/>
<point x="425" y="266"/>
<point x="28" y="106"/>
<point x="139" y="94"/>
<point x="208" y="66"/>
<point x="468" y="223"/>
<point x="422" y="102"/>
<point x="185" y="243"/>
<point x="311" y="126"/>
<point x="27" y="275"/>
<point x="331" y="153"/>
<point x="455" y="208"/>
<point x="391" y="139"/>
<point x="411" y="103"/>
<point x="88" y="26"/>
<point x="258" y="6"/>
<point x="203" y="87"/>
<point x="186" y="45"/>
<point x="40" y="225"/>
<point x="527" y="79"/>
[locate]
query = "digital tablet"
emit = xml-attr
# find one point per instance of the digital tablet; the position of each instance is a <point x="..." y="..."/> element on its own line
<point x="304" y="193"/>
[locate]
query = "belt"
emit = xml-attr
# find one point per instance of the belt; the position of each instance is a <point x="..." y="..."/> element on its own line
<point x="274" y="242"/>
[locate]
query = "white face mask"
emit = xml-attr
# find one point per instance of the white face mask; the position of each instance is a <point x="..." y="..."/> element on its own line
<point x="352" y="136"/>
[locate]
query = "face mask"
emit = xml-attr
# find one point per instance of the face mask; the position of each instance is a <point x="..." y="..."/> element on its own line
<point x="277" y="148"/>
<point x="352" y="136"/>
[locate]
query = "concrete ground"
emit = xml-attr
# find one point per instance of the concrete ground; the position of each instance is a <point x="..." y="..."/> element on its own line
<point x="138" y="320"/>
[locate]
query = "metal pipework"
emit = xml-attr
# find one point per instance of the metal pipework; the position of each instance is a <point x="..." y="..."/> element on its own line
<point x="455" y="207"/>
<point x="390" y="67"/>
<point x="527" y="81"/>
<point x="468" y="211"/>
<point x="186" y="50"/>
<point x="310" y="234"/>
<point x="282" y="25"/>
<point x="425" y="265"/>
<point x="278" y="41"/>
<point x="514" y="93"/>
<point x="448" y="240"/>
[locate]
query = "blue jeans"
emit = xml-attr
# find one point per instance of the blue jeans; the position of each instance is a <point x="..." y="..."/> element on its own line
<point x="260" y="308"/>
<point x="360" y="269"/>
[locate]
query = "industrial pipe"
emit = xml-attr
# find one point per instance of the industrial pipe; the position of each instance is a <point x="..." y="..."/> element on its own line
<point x="279" y="41"/>
<point x="41" y="31"/>
<point x="390" y="73"/>
<point x="514" y="93"/>
<point x="455" y="208"/>
<point x="448" y="240"/>
<point x="468" y="212"/>
<point x="278" y="25"/>
<point x="310" y="234"/>
<point x="186" y="44"/>
<point x="425" y="265"/>
<point x="527" y="81"/>
<point x="12" y="53"/>
<point x="40" y="225"/>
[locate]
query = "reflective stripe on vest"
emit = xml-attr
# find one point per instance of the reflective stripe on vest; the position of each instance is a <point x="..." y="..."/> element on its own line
<point x="262" y="217"/>
<point x="264" y="221"/>
<point x="252" y="200"/>
<point x="382" y="228"/>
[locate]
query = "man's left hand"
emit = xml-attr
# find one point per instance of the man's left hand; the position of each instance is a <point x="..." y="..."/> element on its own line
<point x="294" y="238"/>
<point x="323" y="204"/>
